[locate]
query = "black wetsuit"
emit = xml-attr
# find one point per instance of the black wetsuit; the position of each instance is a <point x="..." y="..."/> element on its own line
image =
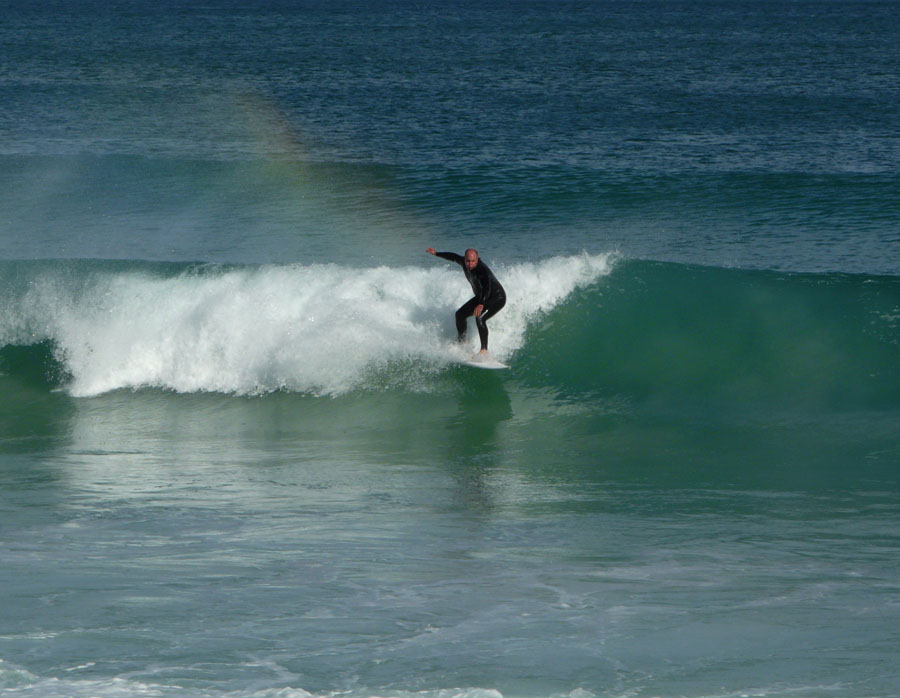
<point x="488" y="293"/>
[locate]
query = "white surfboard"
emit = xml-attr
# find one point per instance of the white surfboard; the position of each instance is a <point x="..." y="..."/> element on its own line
<point x="484" y="361"/>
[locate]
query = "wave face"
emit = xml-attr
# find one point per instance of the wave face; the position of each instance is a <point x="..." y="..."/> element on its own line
<point x="321" y="329"/>
<point x="581" y="327"/>
<point x="694" y="334"/>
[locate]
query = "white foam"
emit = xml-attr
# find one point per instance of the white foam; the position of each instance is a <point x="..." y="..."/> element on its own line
<point x="23" y="683"/>
<point x="324" y="329"/>
<point x="18" y="681"/>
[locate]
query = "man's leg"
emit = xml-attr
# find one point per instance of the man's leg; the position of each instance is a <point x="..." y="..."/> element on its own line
<point x="462" y="318"/>
<point x="481" y="322"/>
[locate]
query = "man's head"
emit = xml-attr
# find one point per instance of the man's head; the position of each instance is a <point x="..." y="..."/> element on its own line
<point x="471" y="259"/>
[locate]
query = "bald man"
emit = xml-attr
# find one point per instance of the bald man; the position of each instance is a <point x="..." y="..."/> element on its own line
<point x="489" y="294"/>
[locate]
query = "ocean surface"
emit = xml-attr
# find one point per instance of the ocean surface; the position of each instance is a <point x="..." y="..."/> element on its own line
<point x="239" y="454"/>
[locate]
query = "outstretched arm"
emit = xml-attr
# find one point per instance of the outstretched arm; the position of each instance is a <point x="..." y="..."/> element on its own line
<point x="449" y="256"/>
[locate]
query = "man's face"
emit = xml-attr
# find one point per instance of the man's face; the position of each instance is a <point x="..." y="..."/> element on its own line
<point x="471" y="260"/>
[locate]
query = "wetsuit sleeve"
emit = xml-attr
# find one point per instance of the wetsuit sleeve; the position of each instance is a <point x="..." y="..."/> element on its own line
<point x="452" y="257"/>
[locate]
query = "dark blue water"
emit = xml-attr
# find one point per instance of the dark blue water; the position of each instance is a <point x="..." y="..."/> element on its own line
<point x="729" y="133"/>
<point x="238" y="454"/>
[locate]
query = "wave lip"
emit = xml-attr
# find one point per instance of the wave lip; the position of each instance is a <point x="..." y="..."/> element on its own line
<point x="320" y="329"/>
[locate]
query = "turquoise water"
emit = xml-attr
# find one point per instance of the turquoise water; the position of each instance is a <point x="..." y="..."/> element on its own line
<point x="239" y="455"/>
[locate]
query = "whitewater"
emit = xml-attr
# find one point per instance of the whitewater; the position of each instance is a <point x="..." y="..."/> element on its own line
<point x="321" y="329"/>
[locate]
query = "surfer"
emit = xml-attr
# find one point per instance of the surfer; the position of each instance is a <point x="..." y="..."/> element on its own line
<point x="489" y="294"/>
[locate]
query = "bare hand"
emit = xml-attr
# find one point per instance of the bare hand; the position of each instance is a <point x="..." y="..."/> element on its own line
<point x="430" y="250"/>
<point x="478" y="309"/>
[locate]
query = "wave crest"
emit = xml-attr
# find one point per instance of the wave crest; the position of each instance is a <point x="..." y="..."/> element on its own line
<point x="322" y="329"/>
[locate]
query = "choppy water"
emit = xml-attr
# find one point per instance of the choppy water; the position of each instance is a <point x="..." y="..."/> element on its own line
<point x="238" y="453"/>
